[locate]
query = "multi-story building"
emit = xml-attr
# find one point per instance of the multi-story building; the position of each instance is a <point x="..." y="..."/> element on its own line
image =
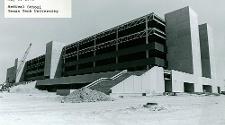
<point x="145" y="55"/>
<point x="34" y="69"/>
<point x="135" y="45"/>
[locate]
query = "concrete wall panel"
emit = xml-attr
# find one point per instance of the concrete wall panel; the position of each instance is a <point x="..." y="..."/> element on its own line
<point x="178" y="79"/>
<point x="207" y="51"/>
<point x="53" y="60"/>
<point x="151" y="82"/>
<point x="183" y="41"/>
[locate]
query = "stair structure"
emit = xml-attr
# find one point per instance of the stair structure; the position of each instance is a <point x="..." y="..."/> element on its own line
<point x="105" y="84"/>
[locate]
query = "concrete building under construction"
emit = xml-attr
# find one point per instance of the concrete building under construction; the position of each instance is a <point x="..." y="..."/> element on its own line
<point x="144" y="56"/>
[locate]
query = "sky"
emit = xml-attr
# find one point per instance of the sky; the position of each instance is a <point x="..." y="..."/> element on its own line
<point x="92" y="16"/>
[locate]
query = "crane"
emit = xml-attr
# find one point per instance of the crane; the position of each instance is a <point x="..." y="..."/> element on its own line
<point x="5" y="86"/>
<point x="21" y="64"/>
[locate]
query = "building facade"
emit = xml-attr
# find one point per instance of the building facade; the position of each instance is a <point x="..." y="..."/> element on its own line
<point x="171" y="55"/>
<point x="135" y="45"/>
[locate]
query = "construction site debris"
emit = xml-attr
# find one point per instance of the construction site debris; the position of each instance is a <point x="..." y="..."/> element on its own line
<point x="25" y="88"/>
<point x="154" y="107"/>
<point x="86" y="95"/>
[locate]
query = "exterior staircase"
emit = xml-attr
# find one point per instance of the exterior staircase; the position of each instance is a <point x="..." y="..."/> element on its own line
<point x="105" y="84"/>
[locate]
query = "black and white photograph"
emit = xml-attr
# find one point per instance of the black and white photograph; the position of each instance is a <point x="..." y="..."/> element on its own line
<point x="112" y="62"/>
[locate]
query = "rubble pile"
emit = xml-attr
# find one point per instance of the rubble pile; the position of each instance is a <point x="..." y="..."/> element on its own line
<point x="86" y="95"/>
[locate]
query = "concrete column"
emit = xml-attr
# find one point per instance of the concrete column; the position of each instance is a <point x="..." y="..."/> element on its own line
<point x="198" y="87"/>
<point x="77" y="67"/>
<point x="146" y="38"/>
<point x="214" y="89"/>
<point x="94" y="62"/>
<point x="117" y="48"/>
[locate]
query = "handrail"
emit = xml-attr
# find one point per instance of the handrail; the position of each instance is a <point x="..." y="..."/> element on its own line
<point x="96" y="82"/>
<point x="118" y="75"/>
<point x="104" y="79"/>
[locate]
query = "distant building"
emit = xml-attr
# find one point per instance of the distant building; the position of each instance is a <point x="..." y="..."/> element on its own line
<point x="144" y="56"/>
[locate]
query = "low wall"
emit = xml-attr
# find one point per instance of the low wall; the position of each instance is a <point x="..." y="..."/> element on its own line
<point x="151" y="82"/>
<point x="178" y="79"/>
